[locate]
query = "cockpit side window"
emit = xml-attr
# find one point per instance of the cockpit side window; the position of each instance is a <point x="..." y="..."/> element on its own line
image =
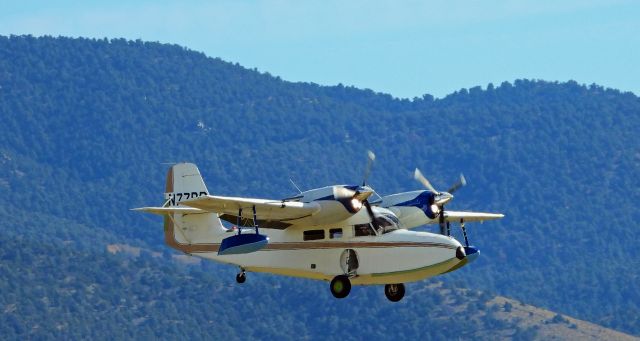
<point x="363" y="230"/>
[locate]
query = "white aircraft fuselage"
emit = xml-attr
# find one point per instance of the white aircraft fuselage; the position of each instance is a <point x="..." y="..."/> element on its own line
<point x="331" y="233"/>
<point x="397" y="256"/>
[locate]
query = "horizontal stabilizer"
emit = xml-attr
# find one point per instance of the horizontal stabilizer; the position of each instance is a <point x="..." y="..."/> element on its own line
<point x="456" y="216"/>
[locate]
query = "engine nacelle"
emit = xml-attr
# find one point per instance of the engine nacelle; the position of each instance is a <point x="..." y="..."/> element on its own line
<point x="337" y="203"/>
<point x="413" y="208"/>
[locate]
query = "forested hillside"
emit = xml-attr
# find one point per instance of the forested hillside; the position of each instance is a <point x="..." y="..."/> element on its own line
<point x="87" y="124"/>
<point x="99" y="295"/>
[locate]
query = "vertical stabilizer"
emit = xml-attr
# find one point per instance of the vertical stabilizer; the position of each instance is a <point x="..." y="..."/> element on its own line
<point x="189" y="232"/>
<point x="184" y="182"/>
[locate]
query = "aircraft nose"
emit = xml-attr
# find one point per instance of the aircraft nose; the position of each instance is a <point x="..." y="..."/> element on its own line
<point x="453" y="244"/>
<point x="460" y="253"/>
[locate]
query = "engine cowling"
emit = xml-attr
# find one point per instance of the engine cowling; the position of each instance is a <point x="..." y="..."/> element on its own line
<point x="413" y="208"/>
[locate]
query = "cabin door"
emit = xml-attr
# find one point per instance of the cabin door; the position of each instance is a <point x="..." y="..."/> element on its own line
<point x="349" y="261"/>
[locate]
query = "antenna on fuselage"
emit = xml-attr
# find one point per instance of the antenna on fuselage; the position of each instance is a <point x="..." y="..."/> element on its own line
<point x="294" y="185"/>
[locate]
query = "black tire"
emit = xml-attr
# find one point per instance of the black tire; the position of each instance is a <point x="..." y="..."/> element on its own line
<point x="241" y="277"/>
<point x="340" y="286"/>
<point x="394" y="292"/>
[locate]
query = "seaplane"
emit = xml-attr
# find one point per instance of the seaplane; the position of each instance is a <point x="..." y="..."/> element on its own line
<point x="336" y="233"/>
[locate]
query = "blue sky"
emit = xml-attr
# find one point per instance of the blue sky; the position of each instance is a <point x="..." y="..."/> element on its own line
<point x="405" y="48"/>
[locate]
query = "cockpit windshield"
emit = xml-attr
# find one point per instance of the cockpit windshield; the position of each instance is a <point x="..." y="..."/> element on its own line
<point x="387" y="223"/>
<point x="384" y="222"/>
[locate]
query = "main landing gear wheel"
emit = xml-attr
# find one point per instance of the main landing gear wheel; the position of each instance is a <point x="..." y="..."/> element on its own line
<point x="340" y="286"/>
<point x="241" y="277"/>
<point x="394" y="292"/>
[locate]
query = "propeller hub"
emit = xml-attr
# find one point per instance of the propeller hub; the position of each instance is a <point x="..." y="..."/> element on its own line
<point x="443" y="198"/>
<point x="356" y="204"/>
<point x="362" y="194"/>
<point x="435" y="209"/>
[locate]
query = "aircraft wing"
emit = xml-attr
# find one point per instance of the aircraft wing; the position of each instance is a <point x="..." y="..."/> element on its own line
<point x="456" y="216"/>
<point x="169" y="210"/>
<point x="266" y="210"/>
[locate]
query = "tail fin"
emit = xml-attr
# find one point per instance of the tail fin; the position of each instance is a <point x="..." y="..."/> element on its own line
<point x="192" y="231"/>
<point x="183" y="182"/>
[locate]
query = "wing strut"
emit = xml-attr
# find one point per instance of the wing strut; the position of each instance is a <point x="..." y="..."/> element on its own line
<point x="255" y="219"/>
<point x="464" y="232"/>
<point x="239" y="220"/>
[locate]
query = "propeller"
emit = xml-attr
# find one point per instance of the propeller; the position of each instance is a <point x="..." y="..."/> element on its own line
<point x="371" y="157"/>
<point x="440" y="198"/>
<point x="461" y="183"/>
<point x="374" y="223"/>
<point x="355" y="197"/>
<point x="423" y="180"/>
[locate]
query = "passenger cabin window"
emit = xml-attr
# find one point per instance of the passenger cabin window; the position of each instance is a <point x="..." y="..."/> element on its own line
<point x="363" y="230"/>
<point x="313" y="235"/>
<point x="335" y="233"/>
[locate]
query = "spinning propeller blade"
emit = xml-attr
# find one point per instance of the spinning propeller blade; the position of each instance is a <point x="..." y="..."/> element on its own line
<point x="441" y="198"/>
<point x="374" y="223"/>
<point x="371" y="157"/>
<point x="461" y="183"/>
<point x="423" y="180"/>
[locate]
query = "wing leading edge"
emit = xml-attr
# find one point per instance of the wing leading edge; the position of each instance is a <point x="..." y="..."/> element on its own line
<point x="456" y="216"/>
<point x="266" y="210"/>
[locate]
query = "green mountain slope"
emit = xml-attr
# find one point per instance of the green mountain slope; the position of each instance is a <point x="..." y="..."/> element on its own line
<point x="86" y="125"/>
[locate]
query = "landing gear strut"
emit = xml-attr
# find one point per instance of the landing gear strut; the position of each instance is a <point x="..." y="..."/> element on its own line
<point x="394" y="292"/>
<point x="241" y="277"/>
<point x="340" y="286"/>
